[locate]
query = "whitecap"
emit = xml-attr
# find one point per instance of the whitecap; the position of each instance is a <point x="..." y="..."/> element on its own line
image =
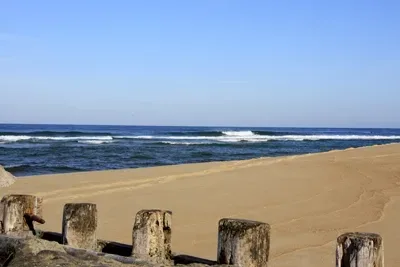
<point x="238" y="133"/>
<point x="229" y="136"/>
<point x="95" y="142"/>
<point x="185" y="143"/>
<point x="16" y="138"/>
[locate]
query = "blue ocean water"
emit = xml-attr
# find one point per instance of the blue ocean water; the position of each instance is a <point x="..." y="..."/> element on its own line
<point x="48" y="149"/>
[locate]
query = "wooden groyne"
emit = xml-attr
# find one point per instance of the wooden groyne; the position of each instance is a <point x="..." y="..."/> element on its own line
<point x="241" y="242"/>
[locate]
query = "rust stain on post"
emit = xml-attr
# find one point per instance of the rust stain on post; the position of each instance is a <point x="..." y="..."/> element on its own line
<point x="14" y="209"/>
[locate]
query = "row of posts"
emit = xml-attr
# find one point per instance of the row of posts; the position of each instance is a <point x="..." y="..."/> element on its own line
<point x="241" y="243"/>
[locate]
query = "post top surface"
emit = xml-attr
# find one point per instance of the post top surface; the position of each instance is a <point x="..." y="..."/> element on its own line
<point x="79" y="204"/>
<point x="17" y="196"/>
<point x="155" y="210"/>
<point x="376" y="238"/>
<point x="240" y="224"/>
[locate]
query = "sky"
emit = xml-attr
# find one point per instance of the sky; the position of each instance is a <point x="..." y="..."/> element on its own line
<point x="201" y="62"/>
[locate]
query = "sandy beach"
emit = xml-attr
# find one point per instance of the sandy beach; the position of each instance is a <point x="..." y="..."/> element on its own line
<point x="308" y="200"/>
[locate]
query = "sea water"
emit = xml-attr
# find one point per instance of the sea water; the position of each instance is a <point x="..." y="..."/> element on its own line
<point x="48" y="149"/>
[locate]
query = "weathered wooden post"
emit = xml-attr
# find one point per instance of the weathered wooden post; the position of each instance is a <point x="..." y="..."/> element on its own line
<point x="359" y="250"/>
<point x="79" y="225"/>
<point x="243" y="243"/>
<point x="151" y="235"/>
<point x="16" y="209"/>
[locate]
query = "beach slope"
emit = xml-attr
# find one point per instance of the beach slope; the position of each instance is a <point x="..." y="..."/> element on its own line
<point x="309" y="200"/>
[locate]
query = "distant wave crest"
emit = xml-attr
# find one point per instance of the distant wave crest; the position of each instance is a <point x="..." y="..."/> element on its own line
<point x="95" y="142"/>
<point x="223" y="133"/>
<point x="55" y="133"/>
<point x="239" y="133"/>
<point x="195" y="137"/>
<point x="249" y="136"/>
<point x="184" y="143"/>
<point x="16" y="138"/>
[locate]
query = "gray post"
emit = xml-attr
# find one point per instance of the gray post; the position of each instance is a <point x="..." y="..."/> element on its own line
<point x="151" y="236"/>
<point x="15" y="208"/>
<point x="79" y="225"/>
<point x="243" y="243"/>
<point x="359" y="250"/>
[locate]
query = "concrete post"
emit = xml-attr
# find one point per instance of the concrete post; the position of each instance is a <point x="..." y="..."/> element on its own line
<point x="243" y="243"/>
<point x="359" y="250"/>
<point x="15" y="209"/>
<point x="79" y="225"/>
<point x="151" y="236"/>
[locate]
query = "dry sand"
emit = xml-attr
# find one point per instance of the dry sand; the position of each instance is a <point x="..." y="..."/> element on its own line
<point x="309" y="200"/>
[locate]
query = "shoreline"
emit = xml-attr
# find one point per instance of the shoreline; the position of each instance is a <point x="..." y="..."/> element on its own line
<point x="201" y="163"/>
<point x="29" y="150"/>
<point x="308" y="199"/>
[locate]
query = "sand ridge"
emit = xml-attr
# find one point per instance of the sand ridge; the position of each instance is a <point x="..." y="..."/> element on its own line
<point x="308" y="199"/>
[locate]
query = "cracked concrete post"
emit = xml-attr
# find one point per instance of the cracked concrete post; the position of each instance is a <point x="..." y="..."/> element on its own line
<point x="243" y="243"/>
<point x="359" y="250"/>
<point x="79" y="225"/>
<point x="14" y="208"/>
<point x="151" y="236"/>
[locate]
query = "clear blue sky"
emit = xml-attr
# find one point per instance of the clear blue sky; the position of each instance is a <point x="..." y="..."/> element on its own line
<point x="205" y="62"/>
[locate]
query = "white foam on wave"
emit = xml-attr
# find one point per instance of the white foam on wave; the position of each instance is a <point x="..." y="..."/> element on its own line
<point x="16" y="138"/>
<point x="185" y="143"/>
<point x="134" y="137"/>
<point x="334" y="137"/>
<point x="228" y="136"/>
<point x="177" y="143"/>
<point x="238" y="133"/>
<point x="225" y="133"/>
<point x="158" y="137"/>
<point x="247" y="137"/>
<point x="95" y="142"/>
<point x="264" y="138"/>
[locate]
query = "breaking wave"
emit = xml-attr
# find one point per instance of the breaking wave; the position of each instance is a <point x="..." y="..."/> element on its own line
<point x="195" y="137"/>
<point x="17" y="138"/>
<point x="56" y="133"/>
<point x="31" y="149"/>
<point x="184" y="143"/>
<point x="248" y="136"/>
<point x="95" y="142"/>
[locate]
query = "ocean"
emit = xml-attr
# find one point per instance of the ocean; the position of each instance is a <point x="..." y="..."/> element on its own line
<point x="49" y="149"/>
